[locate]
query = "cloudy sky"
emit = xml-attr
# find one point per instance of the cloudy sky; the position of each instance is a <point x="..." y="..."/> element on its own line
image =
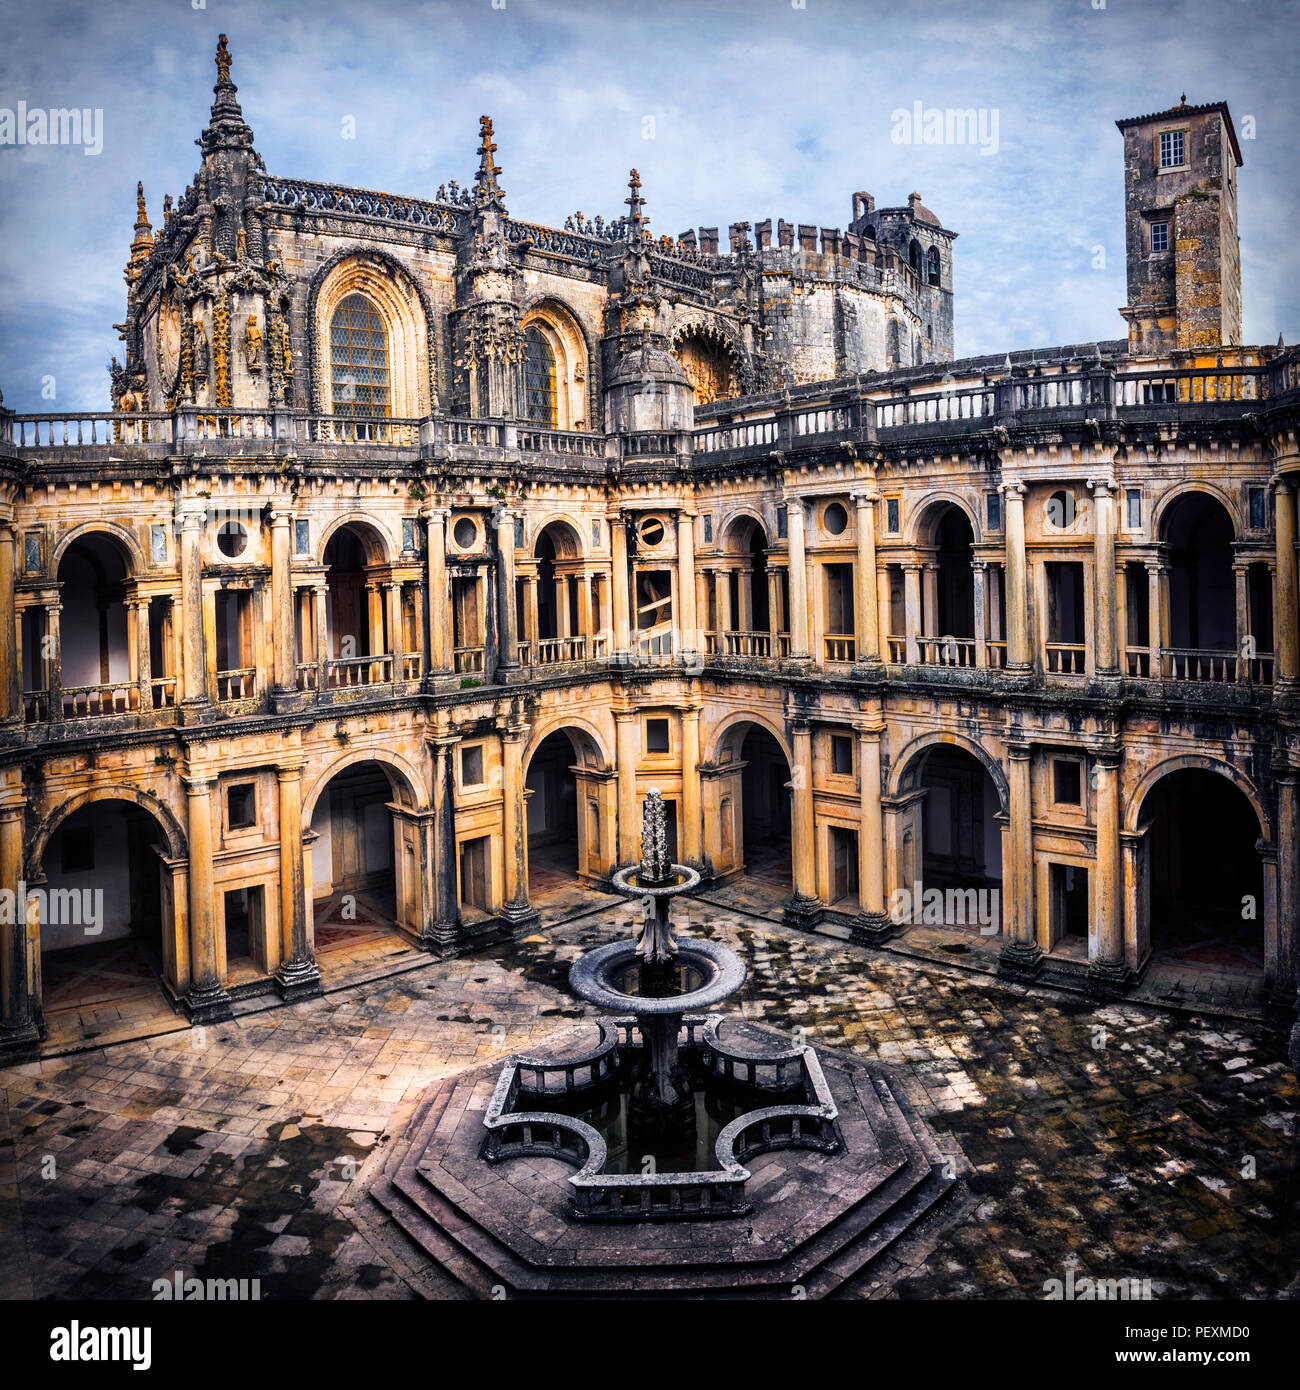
<point x="731" y="109"/>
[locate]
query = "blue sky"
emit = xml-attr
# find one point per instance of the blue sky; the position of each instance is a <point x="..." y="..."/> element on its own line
<point x="760" y="109"/>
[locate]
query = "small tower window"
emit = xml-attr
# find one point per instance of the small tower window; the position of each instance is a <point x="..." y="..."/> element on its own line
<point x="1171" y="149"/>
<point x="1159" y="237"/>
<point x="539" y="379"/>
<point x="932" y="266"/>
<point x="359" y="360"/>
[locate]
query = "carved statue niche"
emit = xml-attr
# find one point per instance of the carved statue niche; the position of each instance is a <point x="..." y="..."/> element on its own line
<point x="253" y="345"/>
<point x="200" y="352"/>
<point x="286" y="352"/>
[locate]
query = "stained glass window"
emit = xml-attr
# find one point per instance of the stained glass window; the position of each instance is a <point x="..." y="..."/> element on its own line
<point x="359" y="360"/>
<point x="539" y="379"/>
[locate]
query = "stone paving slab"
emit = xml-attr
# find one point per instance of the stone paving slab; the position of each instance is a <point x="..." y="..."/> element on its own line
<point x="1123" y="1141"/>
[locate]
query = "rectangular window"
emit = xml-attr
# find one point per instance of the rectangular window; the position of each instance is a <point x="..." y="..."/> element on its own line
<point x="656" y="736"/>
<point x="891" y="515"/>
<point x="1172" y="149"/>
<point x="994" y="511"/>
<point x="1159" y="237"/>
<point x="1133" y="501"/>
<point x="1067" y="782"/>
<point x="471" y="765"/>
<point x="597" y="534"/>
<point x="32" y="554"/>
<point x="302" y="537"/>
<point x="841" y="755"/>
<point x="241" y="806"/>
<point x="782" y="519"/>
<point x="1258" y="509"/>
<point x="410" y="535"/>
<point x="708" y="529"/>
<point x="158" y="545"/>
<point x="519" y="532"/>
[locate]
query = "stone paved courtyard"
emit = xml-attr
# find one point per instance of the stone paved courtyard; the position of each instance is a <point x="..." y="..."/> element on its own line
<point x="1125" y="1142"/>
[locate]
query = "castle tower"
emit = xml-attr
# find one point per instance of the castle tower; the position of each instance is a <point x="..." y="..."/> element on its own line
<point x="1180" y="209"/>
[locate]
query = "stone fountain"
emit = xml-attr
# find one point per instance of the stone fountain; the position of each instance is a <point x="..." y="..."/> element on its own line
<point x="666" y="1120"/>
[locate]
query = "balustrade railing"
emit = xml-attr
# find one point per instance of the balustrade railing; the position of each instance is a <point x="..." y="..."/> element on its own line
<point x="740" y="643"/>
<point x="412" y="665"/>
<point x="236" y="685"/>
<point x="162" y="692"/>
<point x="946" y="651"/>
<point x="1066" y="658"/>
<point x="996" y="658"/>
<point x="576" y="443"/>
<point x="1217" y="667"/>
<point x="467" y="661"/>
<point x="89" y="428"/>
<point x="344" y="673"/>
<point x="348" y="429"/>
<point x="897" y="650"/>
<point x="840" y="648"/>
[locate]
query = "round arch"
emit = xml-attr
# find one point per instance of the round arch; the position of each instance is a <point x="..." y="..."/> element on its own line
<point x="564" y="335"/>
<point x="911" y="759"/>
<point x="379" y="546"/>
<point x="125" y="539"/>
<point x="1170" y="501"/>
<point x="738" y="524"/>
<point x="566" y="529"/>
<point x="400" y="303"/>
<point x="407" y="786"/>
<point x="925" y="519"/>
<point x="727" y="727"/>
<point x="568" y="723"/>
<point x="712" y="342"/>
<point x="166" y="821"/>
<point x="1132" y="816"/>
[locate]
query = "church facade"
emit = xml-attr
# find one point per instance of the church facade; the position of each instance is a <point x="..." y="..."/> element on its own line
<point x="421" y="541"/>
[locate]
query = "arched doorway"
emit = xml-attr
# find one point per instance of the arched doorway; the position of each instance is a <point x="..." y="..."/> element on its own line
<point x="1201" y="878"/>
<point x="571" y="813"/>
<point x="557" y="603"/>
<point x="740" y="599"/>
<point x="948" y="589"/>
<point x="356" y="632"/>
<point x="366" y="857"/>
<point x="946" y="851"/>
<point x="105" y="907"/>
<point x="1198" y="533"/>
<point x="747" y="821"/>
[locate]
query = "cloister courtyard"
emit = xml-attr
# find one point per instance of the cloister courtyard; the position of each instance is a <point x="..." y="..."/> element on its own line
<point x="1131" y="1141"/>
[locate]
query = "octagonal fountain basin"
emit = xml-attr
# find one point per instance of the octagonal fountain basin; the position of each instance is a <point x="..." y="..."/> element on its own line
<point x="702" y="975"/>
<point x="633" y="883"/>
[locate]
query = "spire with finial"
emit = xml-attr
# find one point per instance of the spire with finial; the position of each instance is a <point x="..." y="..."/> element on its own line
<point x="637" y="223"/>
<point x="226" y="127"/>
<point x="142" y="242"/>
<point x="486" y="188"/>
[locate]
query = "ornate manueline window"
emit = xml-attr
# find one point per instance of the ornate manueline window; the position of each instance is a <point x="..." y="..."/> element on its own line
<point x="359" y="360"/>
<point x="539" y="379"/>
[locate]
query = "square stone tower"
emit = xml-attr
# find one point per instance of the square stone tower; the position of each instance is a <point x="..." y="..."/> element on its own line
<point x="1180" y="209"/>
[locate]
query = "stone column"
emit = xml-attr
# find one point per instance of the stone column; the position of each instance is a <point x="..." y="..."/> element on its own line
<point x="873" y="924"/>
<point x="1281" y="949"/>
<point x="798" y="582"/>
<point x="1021" y="954"/>
<point x="1107" y="972"/>
<point x="1105" y="654"/>
<point x="320" y="623"/>
<point x="54" y="666"/>
<point x="691" y="845"/>
<point x="443" y="935"/>
<point x="11" y="705"/>
<point x="137" y="611"/>
<point x="865" y="600"/>
<point x="1240" y="575"/>
<point x="193" y="657"/>
<point x="517" y="910"/>
<point x="1155" y="620"/>
<point x="930" y="607"/>
<point x="912" y="612"/>
<point x="18" y="1029"/>
<point x="627" y="745"/>
<point x="722" y="602"/>
<point x="530" y="616"/>
<point x="1286" y="639"/>
<point x="979" y="574"/>
<point x="619" y="586"/>
<point x="285" y="692"/>
<point x="507" y="623"/>
<point x="396" y="646"/>
<point x="298" y="976"/>
<point x="803" y="910"/>
<point x="439" y="605"/>
<point x="206" y="1000"/>
<point x="1018" y="631"/>
<point x="685" y="607"/>
<point x="886" y="615"/>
